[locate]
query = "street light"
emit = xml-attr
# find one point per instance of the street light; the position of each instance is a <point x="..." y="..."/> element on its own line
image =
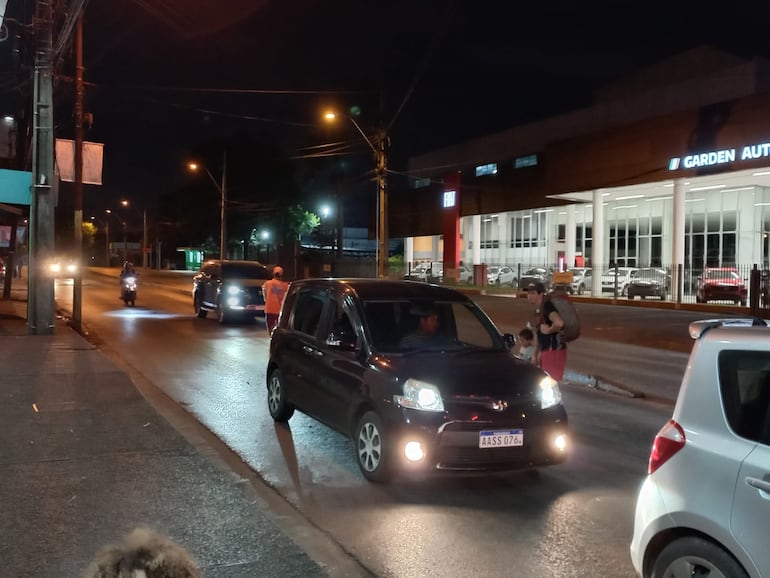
<point x="111" y="214"/>
<point x="378" y="145"/>
<point x="145" y="255"/>
<point x="222" y="188"/>
<point x="106" y="235"/>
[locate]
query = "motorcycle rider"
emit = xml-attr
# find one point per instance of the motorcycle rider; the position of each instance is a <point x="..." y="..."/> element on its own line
<point x="127" y="271"/>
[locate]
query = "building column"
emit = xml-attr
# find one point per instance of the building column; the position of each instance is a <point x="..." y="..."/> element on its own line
<point x="569" y="237"/>
<point x="409" y="252"/>
<point x="597" y="244"/>
<point x="677" y="257"/>
<point x="476" y="239"/>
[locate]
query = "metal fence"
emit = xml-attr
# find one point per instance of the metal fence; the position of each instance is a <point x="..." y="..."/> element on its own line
<point x="737" y="285"/>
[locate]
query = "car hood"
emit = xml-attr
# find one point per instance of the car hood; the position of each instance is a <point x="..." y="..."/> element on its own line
<point x="244" y="282"/>
<point x="463" y="373"/>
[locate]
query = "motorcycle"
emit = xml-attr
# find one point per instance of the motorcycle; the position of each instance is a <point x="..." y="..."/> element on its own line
<point x="128" y="290"/>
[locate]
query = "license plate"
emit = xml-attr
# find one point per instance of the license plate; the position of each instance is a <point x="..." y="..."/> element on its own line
<point x="254" y="307"/>
<point x="501" y="438"/>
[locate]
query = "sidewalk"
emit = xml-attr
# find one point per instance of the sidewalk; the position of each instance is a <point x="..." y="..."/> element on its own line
<point x="85" y="458"/>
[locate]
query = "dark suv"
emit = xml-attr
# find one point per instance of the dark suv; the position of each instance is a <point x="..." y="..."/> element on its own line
<point x="347" y="353"/>
<point x="231" y="289"/>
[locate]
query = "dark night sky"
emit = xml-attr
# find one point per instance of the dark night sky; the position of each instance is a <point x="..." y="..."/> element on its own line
<point x="442" y="71"/>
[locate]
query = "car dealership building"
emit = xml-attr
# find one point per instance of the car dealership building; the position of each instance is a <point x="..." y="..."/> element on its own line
<point x="669" y="167"/>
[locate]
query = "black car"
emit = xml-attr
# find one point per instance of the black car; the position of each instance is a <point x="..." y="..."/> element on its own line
<point x="536" y="275"/>
<point x="231" y="289"/>
<point x="459" y="401"/>
<point x="649" y="282"/>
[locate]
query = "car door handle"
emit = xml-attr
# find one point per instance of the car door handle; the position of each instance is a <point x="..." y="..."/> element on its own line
<point x="761" y="485"/>
<point x="311" y="351"/>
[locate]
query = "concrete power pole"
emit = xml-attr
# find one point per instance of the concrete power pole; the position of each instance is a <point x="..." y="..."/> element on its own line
<point x="40" y="303"/>
<point x="77" y="282"/>
<point x="382" y="203"/>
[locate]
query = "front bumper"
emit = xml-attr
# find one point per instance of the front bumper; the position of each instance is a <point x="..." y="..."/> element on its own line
<point x="452" y="443"/>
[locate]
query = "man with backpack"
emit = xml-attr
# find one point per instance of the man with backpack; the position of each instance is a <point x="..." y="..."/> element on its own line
<point x="551" y="353"/>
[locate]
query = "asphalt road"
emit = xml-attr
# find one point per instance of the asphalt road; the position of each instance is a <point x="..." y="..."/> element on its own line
<point x="568" y="520"/>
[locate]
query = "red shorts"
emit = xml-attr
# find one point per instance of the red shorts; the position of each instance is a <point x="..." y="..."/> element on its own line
<point x="554" y="361"/>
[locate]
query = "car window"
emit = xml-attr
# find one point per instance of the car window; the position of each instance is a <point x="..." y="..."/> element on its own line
<point x="460" y="325"/>
<point x="307" y="311"/>
<point x="468" y="328"/>
<point x="744" y="379"/>
<point x="245" y="271"/>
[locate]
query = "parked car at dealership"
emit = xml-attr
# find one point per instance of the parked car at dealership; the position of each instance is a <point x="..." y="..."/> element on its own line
<point x="460" y="400"/>
<point x="649" y="282"/>
<point x="504" y="275"/>
<point x="534" y="275"/>
<point x="465" y="274"/>
<point x="720" y="284"/>
<point x="429" y="271"/>
<point x="703" y="508"/>
<point x="230" y="289"/>
<point x="623" y="276"/>
<point x="581" y="280"/>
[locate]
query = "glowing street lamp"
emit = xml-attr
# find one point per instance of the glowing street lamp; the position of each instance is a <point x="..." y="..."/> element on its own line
<point x="222" y="188"/>
<point x="381" y="169"/>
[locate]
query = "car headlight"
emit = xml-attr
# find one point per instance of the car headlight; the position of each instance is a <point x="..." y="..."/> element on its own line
<point x="420" y="395"/>
<point x="233" y="290"/>
<point x="550" y="394"/>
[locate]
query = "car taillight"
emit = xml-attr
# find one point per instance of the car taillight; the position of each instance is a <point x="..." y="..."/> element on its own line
<point x="670" y="439"/>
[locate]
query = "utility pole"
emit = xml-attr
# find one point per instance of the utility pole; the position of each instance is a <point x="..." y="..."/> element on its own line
<point x="40" y="303"/>
<point x="381" y="170"/>
<point x="145" y="252"/>
<point x="77" y="282"/>
<point x="223" y="210"/>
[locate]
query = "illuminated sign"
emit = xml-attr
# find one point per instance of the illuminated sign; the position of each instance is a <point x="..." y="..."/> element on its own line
<point x="490" y="169"/>
<point x="421" y="183"/>
<point x="713" y="158"/>
<point x="449" y="199"/>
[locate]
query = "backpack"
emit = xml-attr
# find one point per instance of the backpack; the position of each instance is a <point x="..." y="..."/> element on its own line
<point x="566" y="310"/>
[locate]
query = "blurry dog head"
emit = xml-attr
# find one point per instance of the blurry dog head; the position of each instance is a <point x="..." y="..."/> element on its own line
<point x="143" y="554"/>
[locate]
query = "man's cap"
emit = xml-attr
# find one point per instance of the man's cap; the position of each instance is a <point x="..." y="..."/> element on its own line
<point x="277" y="271"/>
<point x="422" y="309"/>
<point x="536" y="286"/>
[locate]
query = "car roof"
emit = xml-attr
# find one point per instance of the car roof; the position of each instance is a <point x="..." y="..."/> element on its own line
<point x="375" y="289"/>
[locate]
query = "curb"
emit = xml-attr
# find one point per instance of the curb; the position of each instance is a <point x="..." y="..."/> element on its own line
<point x="596" y="382"/>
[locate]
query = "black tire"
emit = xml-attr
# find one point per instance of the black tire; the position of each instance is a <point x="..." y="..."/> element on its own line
<point x="743" y="303"/>
<point x="372" y="452"/>
<point x="631" y="296"/>
<point x="581" y="289"/>
<point x="695" y="556"/>
<point x="199" y="310"/>
<point x="279" y="408"/>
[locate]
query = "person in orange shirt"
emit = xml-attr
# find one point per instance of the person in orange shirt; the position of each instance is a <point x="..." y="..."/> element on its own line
<point x="274" y="291"/>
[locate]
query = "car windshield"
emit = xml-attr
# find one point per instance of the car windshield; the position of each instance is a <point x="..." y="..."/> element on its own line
<point x="650" y="274"/>
<point x="722" y="274"/>
<point x="493" y="270"/>
<point x="395" y="327"/>
<point x="244" y="271"/>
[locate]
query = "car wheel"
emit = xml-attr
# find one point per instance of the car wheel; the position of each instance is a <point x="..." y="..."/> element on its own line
<point x="693" y="556"/>
<point x="199" y="310"/>
<point x="581" y="289"/>
<point x="631" y="296"/>
<point x="371" y="448"/>
<point x="279" y="409"/>
<point x="743" y="303"/>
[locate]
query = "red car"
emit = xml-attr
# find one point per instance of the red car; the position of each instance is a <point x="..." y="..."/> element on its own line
<point x="721" y="283"/>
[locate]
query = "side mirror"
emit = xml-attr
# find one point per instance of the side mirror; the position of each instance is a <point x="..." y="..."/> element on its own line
<point x="510" y="340"/>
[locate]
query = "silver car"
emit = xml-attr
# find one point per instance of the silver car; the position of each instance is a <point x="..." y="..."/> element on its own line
<point x="704" y="508"/>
